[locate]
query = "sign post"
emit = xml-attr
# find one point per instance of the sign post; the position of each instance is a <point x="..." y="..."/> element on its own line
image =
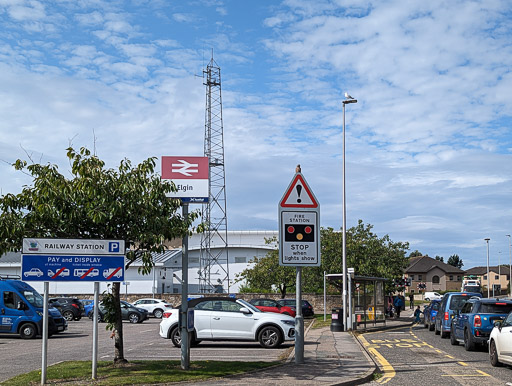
<point x="72" y="260"/>
<point x="299" y="242"/>
<point x="191" y="176"/>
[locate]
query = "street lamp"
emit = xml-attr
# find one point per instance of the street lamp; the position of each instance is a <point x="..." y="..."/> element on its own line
<point x="510" y="266"/>
<point x="488" y="281"/>
<point x="348" y="99"/>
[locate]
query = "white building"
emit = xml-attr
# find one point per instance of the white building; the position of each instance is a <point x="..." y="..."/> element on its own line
<point x="166" y="276"/>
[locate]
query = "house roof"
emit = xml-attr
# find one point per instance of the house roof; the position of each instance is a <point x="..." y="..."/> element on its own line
<point x="424" y="264"/>
<point x="483" y="270"/>
<point x="10" y="258"/>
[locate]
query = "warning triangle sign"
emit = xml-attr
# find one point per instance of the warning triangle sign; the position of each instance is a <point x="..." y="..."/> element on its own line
<point x="298" y="194"/>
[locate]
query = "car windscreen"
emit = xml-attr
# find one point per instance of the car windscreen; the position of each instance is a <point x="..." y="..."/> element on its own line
<point x="457" y="301"/>
<point x="33" y="298"/>
<point x="495" y="308"/>
<point x="472" y="288"/>
<point x="248" y="305"/>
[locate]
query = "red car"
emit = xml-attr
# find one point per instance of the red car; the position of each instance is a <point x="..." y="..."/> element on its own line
<point x="269" y="305"/>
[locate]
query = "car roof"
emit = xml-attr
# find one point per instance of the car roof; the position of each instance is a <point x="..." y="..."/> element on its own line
<point x="490" y="300"/>
<point x="194" y="302"/>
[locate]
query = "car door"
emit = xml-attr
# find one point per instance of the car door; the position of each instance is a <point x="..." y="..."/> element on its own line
<point x="461" y="320"/>
<point x="504" y="340"/>
<point x="228" y="322"/>
<point x="202" y="319"/>
<point x="9" y="313"/>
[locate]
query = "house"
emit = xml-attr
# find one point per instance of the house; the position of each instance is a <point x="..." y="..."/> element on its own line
<point x="497" y="276"/>
<point x="437" y="276"/>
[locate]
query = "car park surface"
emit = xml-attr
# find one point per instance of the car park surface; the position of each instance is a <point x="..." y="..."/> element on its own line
<point x="141" y="342"/>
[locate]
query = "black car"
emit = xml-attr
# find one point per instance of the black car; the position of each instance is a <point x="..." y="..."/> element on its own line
<point x="307" y="308"/>
<point x="128" y="312"/>
<point x="70" y="308"/>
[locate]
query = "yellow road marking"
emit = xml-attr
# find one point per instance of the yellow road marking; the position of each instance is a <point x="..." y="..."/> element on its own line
<point x="388" y="370"/>
<point x="481" y="372"/>
<point x="449" y="356"/>
<point x="462" y="363"/>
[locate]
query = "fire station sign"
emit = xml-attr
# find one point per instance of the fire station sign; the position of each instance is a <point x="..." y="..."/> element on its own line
<point x="299" y="225"/>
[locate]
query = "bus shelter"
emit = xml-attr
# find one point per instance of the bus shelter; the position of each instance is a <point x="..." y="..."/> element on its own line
<point x="367" y="300"/>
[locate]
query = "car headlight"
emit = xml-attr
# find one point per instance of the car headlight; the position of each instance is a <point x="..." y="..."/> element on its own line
<point x="288" y="322"/>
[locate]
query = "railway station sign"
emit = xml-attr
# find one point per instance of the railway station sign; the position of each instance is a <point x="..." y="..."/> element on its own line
<point x="191" y="176"/>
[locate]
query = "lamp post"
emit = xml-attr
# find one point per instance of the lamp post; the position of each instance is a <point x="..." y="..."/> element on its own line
<point x="348" y="99"/>
<point x="488" y="281"/>
<point x="510" y="266"/>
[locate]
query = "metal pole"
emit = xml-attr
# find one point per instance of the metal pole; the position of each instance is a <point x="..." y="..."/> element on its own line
<point x="350" y="321"/>
<point x="95" y="331"/>
<point x="488" y="276"/>
<point x="299" y="320"/>
<point x="344" y="233"/>
<point x="185" y="344"/>
<point x="45" y="334"/>
<point x="325" y="301"/>
<point x="510" y="266"/>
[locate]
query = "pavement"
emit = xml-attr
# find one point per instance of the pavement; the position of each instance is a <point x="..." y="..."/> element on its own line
<point x="330" y="358"/>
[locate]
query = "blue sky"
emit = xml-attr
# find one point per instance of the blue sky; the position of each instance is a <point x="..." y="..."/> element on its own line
<point x="428" y="143"/>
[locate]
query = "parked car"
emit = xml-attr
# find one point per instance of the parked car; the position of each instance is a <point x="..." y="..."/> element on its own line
<point x="128" y="312"/>
<point x="223" y="318"/>
<point x="451" y="303"/>
<point x="307" y="308"/>
<point x="270" y="305"/>
<point x="430" y="312"/>
<point x="432" y="295"/>
<point x="156" y="307"/>
<point x="22" y="311"/>
<point x="500" y="342"/>
<point x="88" y="305"/>
<point x="72" y="308"/>
<point x="475" y="321"/>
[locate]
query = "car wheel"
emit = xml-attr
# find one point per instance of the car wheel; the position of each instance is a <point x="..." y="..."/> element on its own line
<point x="270" y="337"/>
<point x="453" y="341"/>
<point x="427" y="299"/>
<point x="493" y="355"/>
<point x="430" y="326"/>
<point x="68" y="315"/>
<point x="437" y="332"/>
<point x="444" y="334"/>
<point x="158" y="313"/>
<point x="133" y="318"/>
<point x="176" y="336"/>
<point x="469" y="345"/>
<point x="28" y="331"/>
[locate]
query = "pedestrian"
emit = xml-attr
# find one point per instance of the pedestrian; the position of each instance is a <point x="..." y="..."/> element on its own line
<point x="398" y="305"/>
<point x="411" y="301"/>
<point x="417" y="314"/>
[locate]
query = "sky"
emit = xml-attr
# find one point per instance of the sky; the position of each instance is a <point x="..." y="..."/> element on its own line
<point x="428" y="143"/>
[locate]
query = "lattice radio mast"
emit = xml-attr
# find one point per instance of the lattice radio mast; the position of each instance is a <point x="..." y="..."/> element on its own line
<point x="214" y="269"/>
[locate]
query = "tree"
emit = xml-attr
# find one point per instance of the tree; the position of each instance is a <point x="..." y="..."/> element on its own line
<point x="440" y="258"/>
<point x="366" y="252"/>
<point x="97" y="203"/>
<point x="415" y="253"/>
<point x="456" y="261"/>
<point x="267" y="275"/>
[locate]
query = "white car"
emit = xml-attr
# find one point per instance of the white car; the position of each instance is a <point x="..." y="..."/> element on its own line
<point x="154" y="306"/>
<point x="500" y="342"/>
<point x="432" y="296"/>
<point x="222" y="318"/>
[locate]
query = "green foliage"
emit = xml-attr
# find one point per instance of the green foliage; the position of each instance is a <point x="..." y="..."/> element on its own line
<point x="455" y="261"/>
<point x="440" y="258"/>
<point x="369" y="254"/>
<point x="415" y="253"/>
<point x="128" y="204"/>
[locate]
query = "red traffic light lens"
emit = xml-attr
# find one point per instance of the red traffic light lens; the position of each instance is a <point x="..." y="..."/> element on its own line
<point x="291" y="229"/>
<point x="308" y="230"/>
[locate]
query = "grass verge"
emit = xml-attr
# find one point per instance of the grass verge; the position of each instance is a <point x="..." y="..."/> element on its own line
<point x="135" y="372"/>
<point x="319" y="321"/>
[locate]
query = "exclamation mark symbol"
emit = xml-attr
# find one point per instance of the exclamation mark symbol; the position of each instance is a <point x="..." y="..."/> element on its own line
<point x="299" y="190"/>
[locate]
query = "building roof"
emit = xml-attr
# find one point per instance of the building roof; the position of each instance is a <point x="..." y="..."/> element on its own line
<point x="483" y="270"/>
<point x="424" y="264"/>
<point x="10" y="258"/>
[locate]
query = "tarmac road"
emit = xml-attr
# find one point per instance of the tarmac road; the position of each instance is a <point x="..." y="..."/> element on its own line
<point x="141" y="341"/>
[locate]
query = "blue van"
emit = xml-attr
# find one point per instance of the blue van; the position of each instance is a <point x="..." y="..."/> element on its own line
<point x="21" y="311"/>
<point x="450" y="304"/>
